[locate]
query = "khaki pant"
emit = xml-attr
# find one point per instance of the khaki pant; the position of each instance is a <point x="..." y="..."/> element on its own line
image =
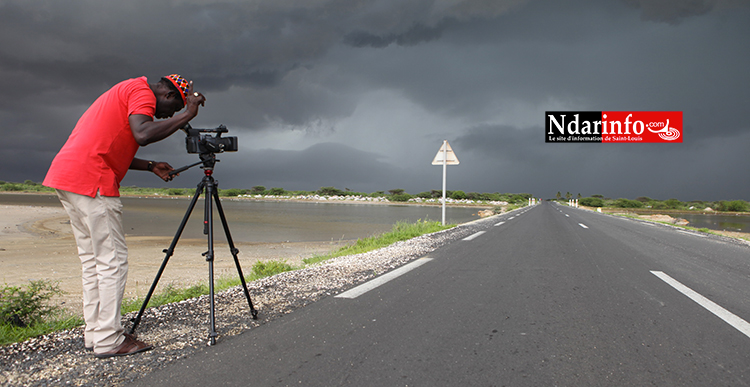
<point x="97" y="227"/>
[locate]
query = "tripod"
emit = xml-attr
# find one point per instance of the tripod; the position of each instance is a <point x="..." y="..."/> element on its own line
<point x="212" y="195"/>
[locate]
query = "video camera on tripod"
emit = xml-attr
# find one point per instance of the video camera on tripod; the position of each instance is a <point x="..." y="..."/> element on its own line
<point x="198" y="142"/>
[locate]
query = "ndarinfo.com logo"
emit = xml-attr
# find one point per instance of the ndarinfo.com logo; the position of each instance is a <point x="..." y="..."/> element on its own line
<point x="621" y="126"/>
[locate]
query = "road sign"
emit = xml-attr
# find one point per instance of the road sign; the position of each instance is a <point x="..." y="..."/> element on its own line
<point x="445" y="157"/>
<point x="445" y="153"/>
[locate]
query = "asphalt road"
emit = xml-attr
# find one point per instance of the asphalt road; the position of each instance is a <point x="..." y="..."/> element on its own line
<point x="554" y="296"/>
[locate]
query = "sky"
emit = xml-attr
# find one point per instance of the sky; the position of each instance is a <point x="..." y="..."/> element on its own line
<point x="360" y="95"/>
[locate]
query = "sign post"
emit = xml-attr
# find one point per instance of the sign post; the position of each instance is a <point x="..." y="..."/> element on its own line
<point x="445" y="157"/>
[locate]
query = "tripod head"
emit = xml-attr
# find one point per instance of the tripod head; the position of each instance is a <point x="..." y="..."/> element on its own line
<point x="208" y="160"/>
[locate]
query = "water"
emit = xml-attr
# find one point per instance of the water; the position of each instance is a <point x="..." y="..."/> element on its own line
<point x="739" y="223"/>
<point x="257" y="221"/>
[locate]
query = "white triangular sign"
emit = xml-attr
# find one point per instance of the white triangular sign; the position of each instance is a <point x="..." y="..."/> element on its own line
<point x="450" y="157"/>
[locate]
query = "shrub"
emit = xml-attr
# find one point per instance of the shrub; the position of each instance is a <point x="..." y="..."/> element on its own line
<point x="175" y="191"/>
<point x="25" y="306"/>
<point x="329" y="191"/>
<point x="519" y="198"/>
<point x="12" y="187"/>
<point x="258" y="190"/>
<point x="626" y="203"/>
<point x="734" y="206"/>
<point x="458" y="195"/>
<point x="591" y="202"/>
<point x="231" y="192"/>
<point x="403" y="197"/>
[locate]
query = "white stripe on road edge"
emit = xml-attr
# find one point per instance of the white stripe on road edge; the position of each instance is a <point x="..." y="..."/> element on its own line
<point x="582" y="225"/>
<point x="499" y="224"/>
<point x="691" y="233"/>
<point x="472" y="236"/>
<point x="731" y="319"/>
<point x="367" y="286"/>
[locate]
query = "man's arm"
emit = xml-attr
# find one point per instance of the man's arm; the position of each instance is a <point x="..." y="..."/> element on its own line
<point x="160" y="168"/>
<point x="146" y="130"/>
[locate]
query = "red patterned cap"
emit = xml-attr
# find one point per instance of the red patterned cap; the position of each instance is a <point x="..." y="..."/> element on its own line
<point x="181" y="83"/>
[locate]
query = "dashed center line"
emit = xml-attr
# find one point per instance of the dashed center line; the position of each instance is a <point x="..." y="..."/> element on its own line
<point x="582" y="225"/>
<point x="472" y="236"/>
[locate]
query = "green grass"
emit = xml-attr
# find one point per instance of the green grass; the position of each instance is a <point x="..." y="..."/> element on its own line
<point x="12" y="334"/>
<point x="401" y="231"/>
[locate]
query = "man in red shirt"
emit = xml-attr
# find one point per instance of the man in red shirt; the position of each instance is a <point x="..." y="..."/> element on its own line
<point x="86" y="174"/>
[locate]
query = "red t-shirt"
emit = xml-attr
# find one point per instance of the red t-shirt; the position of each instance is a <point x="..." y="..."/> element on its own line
<point x="101" y="147"/>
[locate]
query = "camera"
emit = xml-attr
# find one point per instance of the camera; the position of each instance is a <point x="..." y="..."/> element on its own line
<point x="197" y="141"/>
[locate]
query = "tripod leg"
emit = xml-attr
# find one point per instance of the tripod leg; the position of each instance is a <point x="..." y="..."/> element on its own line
<point x="208" y="229"/>
<point x="235" y="251"/>
<point x="169" y="252"/>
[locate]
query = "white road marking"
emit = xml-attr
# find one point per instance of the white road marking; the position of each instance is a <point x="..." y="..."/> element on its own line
<point x="367" y="286"/>
<point x="567" y="216"/>
<point x="582" y="225"/>
<point x="730" y="318"/>
<point x="472" y="236"/>
<point x="691" y="233"/>
<point x="499" y="224"/>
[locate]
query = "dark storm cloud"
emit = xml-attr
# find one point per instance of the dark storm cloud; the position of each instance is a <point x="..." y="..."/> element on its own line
<point x="67" y="53"/>
<point x="672" y="11"/>
<point x="359" y="94"/>
<point x="415" y="35"/>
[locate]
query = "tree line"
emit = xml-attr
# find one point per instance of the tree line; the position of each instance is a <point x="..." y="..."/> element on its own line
<point x="669" y="204"/>
<point x="397" y="195"/>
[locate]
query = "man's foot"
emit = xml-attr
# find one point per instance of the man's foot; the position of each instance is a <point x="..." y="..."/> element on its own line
<point x="129" y="346"/>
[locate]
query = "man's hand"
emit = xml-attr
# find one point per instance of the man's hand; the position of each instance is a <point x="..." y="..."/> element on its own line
<point x="162" y="170"/>
<point x="194" y="99"/>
